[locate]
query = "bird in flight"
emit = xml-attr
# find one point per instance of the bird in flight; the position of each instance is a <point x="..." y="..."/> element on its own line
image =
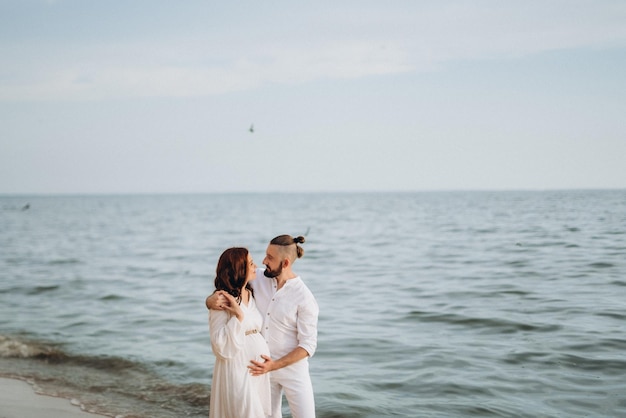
<point x="251" y="128"/>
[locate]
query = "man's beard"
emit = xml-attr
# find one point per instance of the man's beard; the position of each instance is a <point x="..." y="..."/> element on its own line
<point x="273" y="273"/>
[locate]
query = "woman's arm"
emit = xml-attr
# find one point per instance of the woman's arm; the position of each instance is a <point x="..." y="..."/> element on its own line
<point x="226" y="330"/>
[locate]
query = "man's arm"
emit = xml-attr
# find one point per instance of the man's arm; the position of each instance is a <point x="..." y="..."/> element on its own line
<point x="257" y="368"/>
<point x="215" y="301"/>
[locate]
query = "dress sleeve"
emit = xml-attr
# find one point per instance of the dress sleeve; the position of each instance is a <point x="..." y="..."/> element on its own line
<point x="307" y="325"/>
<point x="227" y="334"/>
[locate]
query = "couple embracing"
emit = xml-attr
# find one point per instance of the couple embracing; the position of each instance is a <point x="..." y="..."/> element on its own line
<point x="263" y="326"/>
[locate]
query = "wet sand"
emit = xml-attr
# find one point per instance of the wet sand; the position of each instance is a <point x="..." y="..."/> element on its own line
<point x="19" y="400"/>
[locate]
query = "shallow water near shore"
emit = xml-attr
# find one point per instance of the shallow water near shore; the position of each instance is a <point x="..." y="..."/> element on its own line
<point x="451" y="304"/>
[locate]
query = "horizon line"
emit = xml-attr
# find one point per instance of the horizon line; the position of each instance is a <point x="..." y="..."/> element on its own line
<point x="346" y="191"/>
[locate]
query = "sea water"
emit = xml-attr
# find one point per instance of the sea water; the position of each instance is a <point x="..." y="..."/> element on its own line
<point x="449" y="304"/>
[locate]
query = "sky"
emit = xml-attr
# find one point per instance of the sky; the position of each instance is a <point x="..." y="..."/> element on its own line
<point x="152" y="96"/>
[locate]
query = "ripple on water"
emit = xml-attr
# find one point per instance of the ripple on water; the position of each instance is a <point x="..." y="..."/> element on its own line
<point x="63" y="261"/>
<point x="601" y="265"/>
<point x="112" y="297"/>
<point x="38" y="290"/>
<point x="495" y="325"/>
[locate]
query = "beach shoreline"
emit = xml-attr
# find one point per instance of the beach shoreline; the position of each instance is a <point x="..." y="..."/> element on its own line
<point x="20" y="399"/>
<point x="106" y="385"/>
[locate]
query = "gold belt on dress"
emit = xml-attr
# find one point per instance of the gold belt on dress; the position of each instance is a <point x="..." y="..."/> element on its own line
<point x="252" y="331"/>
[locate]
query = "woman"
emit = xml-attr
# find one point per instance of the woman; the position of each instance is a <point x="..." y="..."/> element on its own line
<point x="235" y="340"/>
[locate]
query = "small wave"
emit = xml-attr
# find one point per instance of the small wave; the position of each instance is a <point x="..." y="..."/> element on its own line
<point x="607" y="366"/>
<point x="552" y="244"/>
<point x="513" y="292"/>
<point x="598" y="346"/>
<point x="601" y="265"/>
<point x="614" y="315"/>
<point x="75" y="324"/>
<point x="18" y="348"/>
<point x="486" y="230"/>
<point x="25" y="289"/>
<point x="614" y="343"/>
<point x="500" y="325"/>
<point x="63" y="261"/>
<point x="517" y="263"/>
<point x="107" y="385"/>
<point x="526" y="357"/>
<point x="42" y="289"/>
<point x="16" y="261"/>
<point x="112" y="297"/>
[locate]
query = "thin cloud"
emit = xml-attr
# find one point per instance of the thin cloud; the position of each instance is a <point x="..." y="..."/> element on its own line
<point x="421" y="39"/>
<point x="85" y="76"/>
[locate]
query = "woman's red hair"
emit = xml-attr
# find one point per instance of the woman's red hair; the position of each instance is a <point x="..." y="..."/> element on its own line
<point x="232" y="271"/>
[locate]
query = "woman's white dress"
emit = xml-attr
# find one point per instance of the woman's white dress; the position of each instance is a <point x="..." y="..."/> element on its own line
<point x="235" y="393"/>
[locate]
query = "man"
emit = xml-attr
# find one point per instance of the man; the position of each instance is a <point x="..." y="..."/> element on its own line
<point x="290" y="315"/>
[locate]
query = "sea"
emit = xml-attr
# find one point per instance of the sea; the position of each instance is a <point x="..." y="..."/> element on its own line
<point x="432" y="304"/>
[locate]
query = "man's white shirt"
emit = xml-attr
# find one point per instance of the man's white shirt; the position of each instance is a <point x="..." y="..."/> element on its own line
<point x="289" y="314"/>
